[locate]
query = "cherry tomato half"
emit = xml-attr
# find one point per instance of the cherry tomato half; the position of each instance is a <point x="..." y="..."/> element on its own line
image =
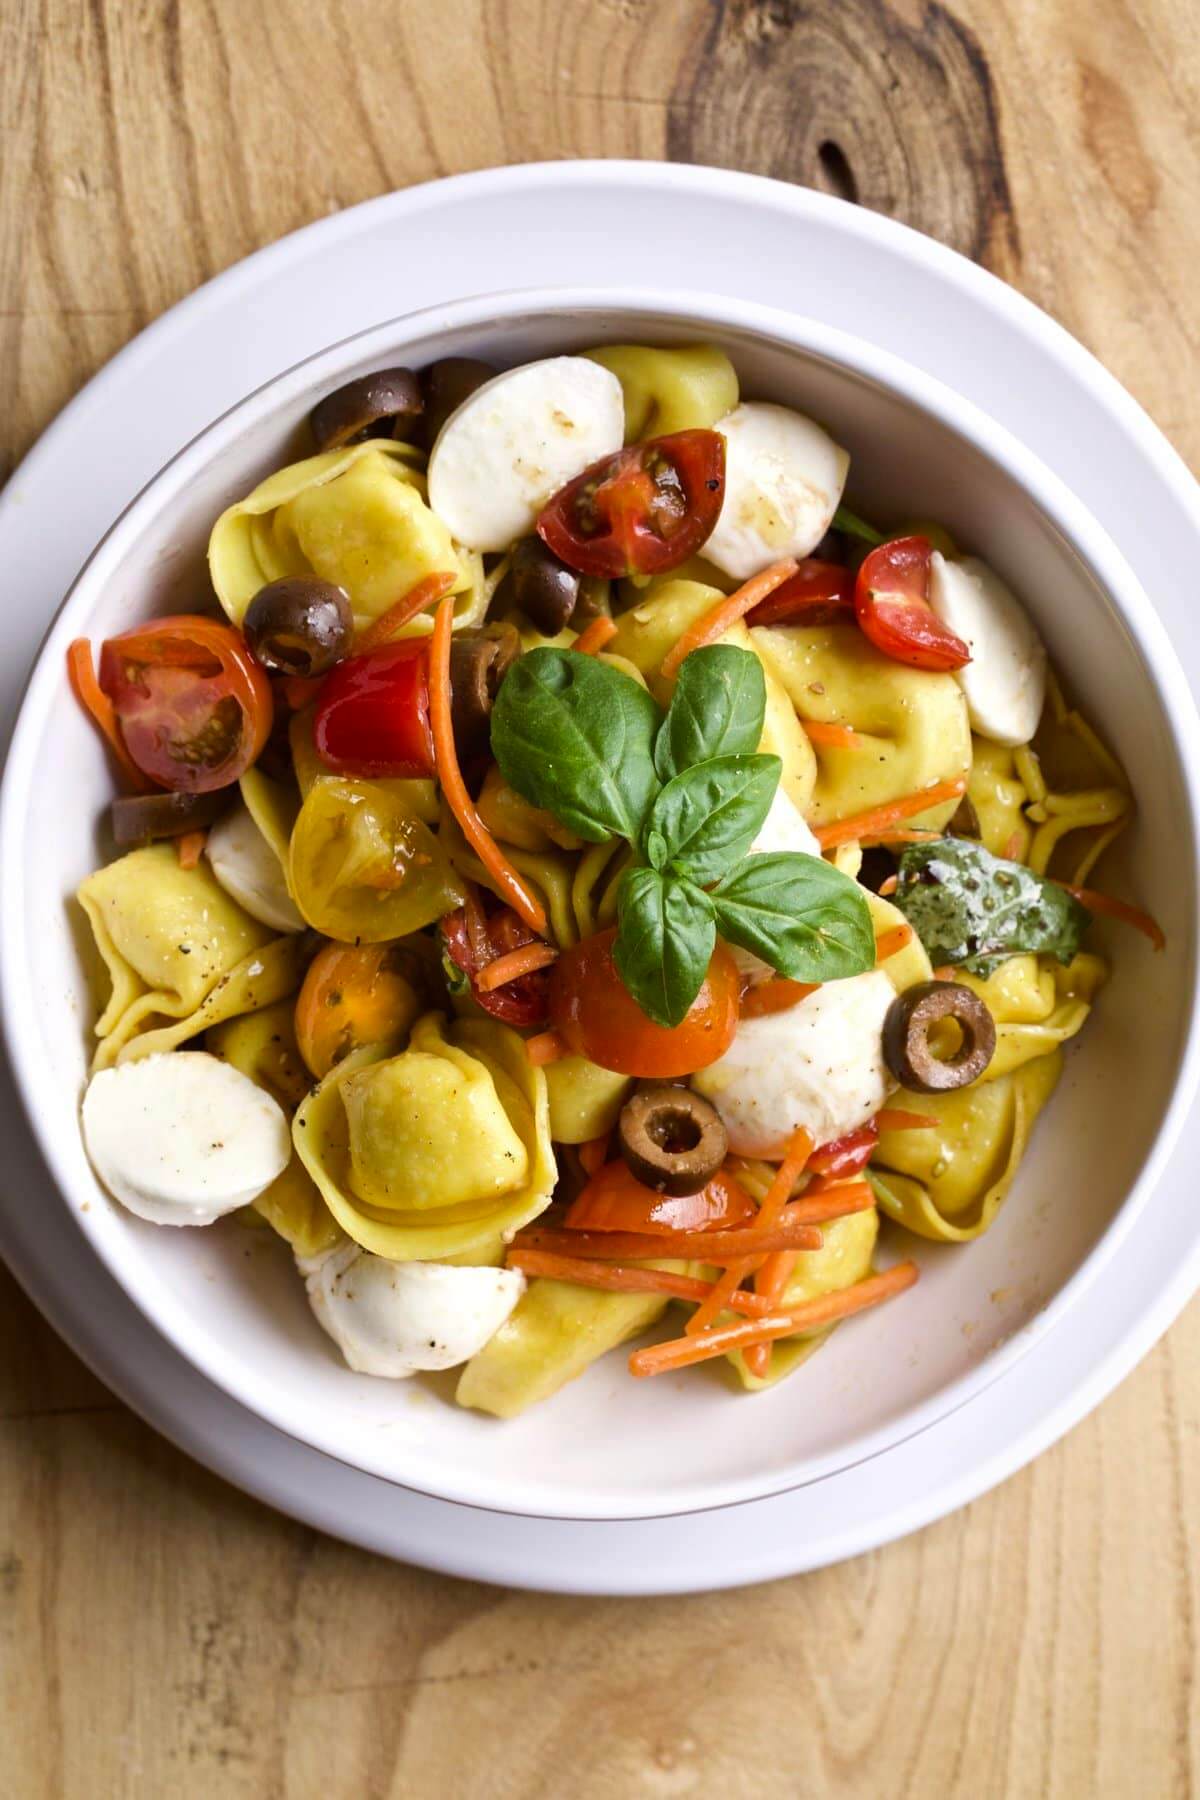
<point x="372" y="717"/>
<point x="819" y="593"/>
<point x="472" y="945"/>
<point x="846" y="1155"/>
<point x="892" y="606"/>
<point x="354" y="995"/>
<point x="596" y="1016"/>
<point x="615" y="1200"/>
<point x="193" y="707"/>
<point x="646" y="509"/>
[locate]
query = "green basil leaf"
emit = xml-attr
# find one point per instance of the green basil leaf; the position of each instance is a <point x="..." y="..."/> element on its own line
<point x="576" y="736"/>
<point x="710" y="814"/>
<point x="972" y="908"/>
<point x="800" y="914"/>
<point x="717" y="709"/>
<point x="664" y="944"/>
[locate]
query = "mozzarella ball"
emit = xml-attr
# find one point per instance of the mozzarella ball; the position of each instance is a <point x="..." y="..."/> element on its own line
<point x="783" y="481"/>
<point x="248" y="869"/>
<point x="1005" y="681"/>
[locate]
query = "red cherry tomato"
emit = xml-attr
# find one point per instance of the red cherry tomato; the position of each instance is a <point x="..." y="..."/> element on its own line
<point x="818" y="593"/>
<point x="473" y="942"/>
<point x="646" y="509"/>
<point x="615" y="1200"/>
<point x="193" y="707"/>
<point x="892" y="606"/>
<point x="596" y="1016"/>
<point x="846" y="1155"/>
<point x="373" y="714"/>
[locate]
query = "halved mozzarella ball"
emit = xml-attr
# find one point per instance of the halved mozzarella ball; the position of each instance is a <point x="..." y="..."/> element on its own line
<point x="818" y="1065"/>
<point x="393" y="1318"/>
<point x="184" y="1138"/>
<point x="246" y="867"/>
<point x="516" y="440"/>
<point x="783" y="480"/>
<point x="784" y="828"/>
<point x="1005" y="680"/>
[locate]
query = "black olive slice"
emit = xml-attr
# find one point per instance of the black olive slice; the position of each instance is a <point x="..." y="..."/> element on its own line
<point x="672" y="1140"/>
<point x="446" y="384"/>
<point x="911" y="1017"/>
<point x="299" y="626"/>
<point x="388" y="396"/>
<point x="542" y="587"/>
<point x="139" y="819"/>
<point x="479" y="661"/>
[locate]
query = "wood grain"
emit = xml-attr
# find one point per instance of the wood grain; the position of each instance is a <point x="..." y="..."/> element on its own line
<point x="159" y="1633"/>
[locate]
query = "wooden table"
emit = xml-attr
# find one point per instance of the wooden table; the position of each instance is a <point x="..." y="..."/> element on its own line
<point x="160" y="1634"/>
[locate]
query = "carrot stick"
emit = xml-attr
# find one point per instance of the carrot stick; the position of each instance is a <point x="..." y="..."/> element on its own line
<point x="545" y="1048"/>
<point x="1118" y="909"/>
<point x="719" y="1247"/>
<point x="621" y="1280"/>
<point x="593" y="637"/>
<point x="714" y="623"/>
<point x="879" y="818"/>
<point x="889" y="886"/>
<point x="594" y="1154"/>
<point x="769" y="1284"/>
<point x="945" y="972"/>
<point x="775" y="996"/>
<point x="831" y="1197"/>
<point x="1012" y="847"/>
<point x="800" y="1148"/>
<point x="459" y="801"/>
<point x="418" y="597"/>
<point x="513" y="964"/>
<point x="91" y="696"/>
<point x="680" y="1353"/>
<point x="894" y="1118"/>
<point x="190" y="847"/>
<point x="890" y="941"/>
<point x="832" y="737"/>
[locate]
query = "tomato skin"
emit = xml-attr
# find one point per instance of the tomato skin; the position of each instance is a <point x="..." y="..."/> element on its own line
<point x="372" y="716"/>
<point x="846" y="1155"/>
<point x="596" y="1016"/>
<point x="819" y="593"/>
<point x="525" y="1001"/>
<point x="615" y="1200"/>
<point x="892" y="607"/>
<point x="354" y="994"/>
<point x="193" y="707"/>
<point x="642" y="511"/>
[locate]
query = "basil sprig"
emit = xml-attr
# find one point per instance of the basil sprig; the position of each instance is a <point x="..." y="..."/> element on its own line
<point x="690" y="792"/>
<point x="974" y="909"/>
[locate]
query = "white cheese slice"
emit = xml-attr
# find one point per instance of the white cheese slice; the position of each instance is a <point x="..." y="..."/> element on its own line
<point x="1005" y="681"/>
<point x="783" y="481"/>
<point x="247" y="868"/>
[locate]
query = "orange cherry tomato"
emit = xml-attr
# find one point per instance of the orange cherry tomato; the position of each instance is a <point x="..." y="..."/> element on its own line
<point x="596" y="1016"/>
<point x="892" y="607"/>
<point x="615" y="1200"/>
<point x="354" y="995"/>
<point x="193" y="707"/>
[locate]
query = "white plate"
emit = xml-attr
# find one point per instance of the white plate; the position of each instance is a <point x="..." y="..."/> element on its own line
<point x="528" y="222"/>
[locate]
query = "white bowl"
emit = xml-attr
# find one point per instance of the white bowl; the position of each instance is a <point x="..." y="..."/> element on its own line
<point x="608" y="1447"/>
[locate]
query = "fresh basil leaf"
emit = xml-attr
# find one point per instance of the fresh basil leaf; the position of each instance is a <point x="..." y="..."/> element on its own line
<point x="853" y="526"/>
<point x="800" y="914"/>
<point x="664" y="944"/>
<point x="717" y="709"/>
<point x="576" y="736"/>
<point x="656" y="849"/>
<point x="710" y="814"/>
<point x="975" y="909"/>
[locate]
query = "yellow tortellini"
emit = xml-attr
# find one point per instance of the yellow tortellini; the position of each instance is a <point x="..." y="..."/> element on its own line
<point x="358" y="517"/>
<point x="273" y="806"/>
<point x="670" y="390"/>
<point x="843" y="1259"/>
<point x="577" y="890"/>
<point x="585" y="1100"/>
<point x="1037" y="1004"/>
<point x="915" y="722"/>
<point x="438" y="1153"/>
<point x="263" y="1046"/>
<point x="177" y="948"/>
<point x="948" y="1184"/>
<point x="362" y="868"/>
<point x="648" y="631"/>
<point x="997" y="795"/>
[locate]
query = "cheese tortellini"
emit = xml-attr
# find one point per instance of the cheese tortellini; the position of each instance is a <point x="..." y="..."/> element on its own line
<point x="670" y="390"/>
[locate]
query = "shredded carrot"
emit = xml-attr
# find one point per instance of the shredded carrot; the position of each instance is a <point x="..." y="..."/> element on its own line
<point x="92" y="697"/>
<point x="889" y="886"/>
<point x="944" y="972"/>
<point x="723" y="1292"/>
<point x="513" y="964"/>
<point x="721" y="1247"/>
<point x="621" y="1280"/>
<point x="546" y="1047"/>
<point x="594" y="1154"/>
<point x="898" y="835"/>
<point x="832" y="737"/>
<point x="1118" y="909"/>
<point x="799" y="1149"/>
<point x="593" y="637"/>
<point x="879" y="818"/>
<point x="893" y="1118"/>
<point x="831" y="1197"/>
<point x="190" y="848"/>
<point x="775" y="996"/>
<point x="824" y="1199"/>
<point x="1012" y="847"/>
<point x="810" y="1315"/>
<point x="422" y="595"/>
<point x="459" y="801"/>
<point x="893" y="940"/>
<point x="714" y="623"/>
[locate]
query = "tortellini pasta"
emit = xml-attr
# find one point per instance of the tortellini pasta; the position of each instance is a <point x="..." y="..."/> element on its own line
<point x="585" y="1100"/>
<point x="670" y="390"/>
<point x="844" y="1258"/>
<point x="1037" y="1003"/>
<point x="438" y="1153"/>
<point x="577" y="891"/>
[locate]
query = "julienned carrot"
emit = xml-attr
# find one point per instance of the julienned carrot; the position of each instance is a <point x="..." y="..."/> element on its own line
<point x="621" y="1280"/>
<point x="593" y="637"/>
<point x="1118" y="909"/>
<point x="889" y="886"/>
<point x="894" y="1118"/>
<point x="800" y="1148"/>
<point x="91" y="696"/>
<point x="1012" y="846"/>
<point x="190" y="848"/>
<point x="776" y="995"/>
<point x="514" y="963"/>
<point x="546" y="1047"/>
<point x="425" y="592"/>
<point x="878" y="818"/>
<point x="827" y="1198"/>
<point x="594" y="1154"/>
<point x="719" y="618"/>
<point x="890" y="941"/>
<point x="832" y="737"/>
<point x="810" y="1315"/>
<point x="459" y="801"/>
<point x="720" y="1247"/>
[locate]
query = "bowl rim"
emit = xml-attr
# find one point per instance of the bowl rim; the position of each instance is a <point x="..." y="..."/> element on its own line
<point x="790" y="332"/>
